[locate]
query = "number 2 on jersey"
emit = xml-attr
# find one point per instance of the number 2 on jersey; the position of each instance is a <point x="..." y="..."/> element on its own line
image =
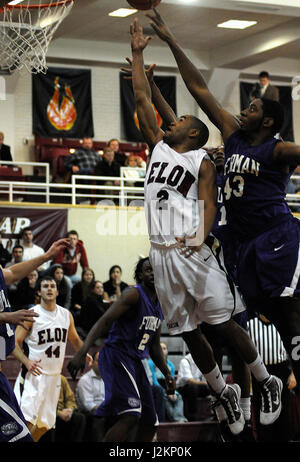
<point x="144" y="341"/>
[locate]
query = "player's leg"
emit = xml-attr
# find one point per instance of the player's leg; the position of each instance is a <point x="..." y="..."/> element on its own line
<point x="36" y="432"/>
<point x="228" y="395"/>
<point x="148" y="423"/>
<point x="121" y="430"/>
<point x="284" y="313"/>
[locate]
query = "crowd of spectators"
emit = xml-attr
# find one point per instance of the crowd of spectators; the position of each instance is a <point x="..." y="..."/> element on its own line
<point x="87" y="161"/>
<point x="85" y="296"/>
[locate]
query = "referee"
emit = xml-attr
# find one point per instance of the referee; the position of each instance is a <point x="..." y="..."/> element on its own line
<point x="270" y="347"/>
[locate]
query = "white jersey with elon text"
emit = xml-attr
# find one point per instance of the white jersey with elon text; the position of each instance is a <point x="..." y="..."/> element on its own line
<point x="171" y="194"/>
<point x="48" y="338"/>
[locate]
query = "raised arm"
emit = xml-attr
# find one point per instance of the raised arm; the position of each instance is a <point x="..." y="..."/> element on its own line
<point x="141" y="88"/>
<point x="128" y="299"/>
<point x="287" y="154"/>
<point x="194" y="81"/>
<point x="161" y="105"/>
<point x="21" y="270"/>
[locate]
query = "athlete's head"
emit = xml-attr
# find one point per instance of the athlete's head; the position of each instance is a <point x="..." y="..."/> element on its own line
<point x="144" y="273"/>
<point x="218" y="156"/>
<point x="187" y="128"/>
<point x="263" y="114"/>
<point x="47" y="289"/>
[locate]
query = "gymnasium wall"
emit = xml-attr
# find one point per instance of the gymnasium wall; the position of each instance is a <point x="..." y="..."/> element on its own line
<point x="105" y="59"/>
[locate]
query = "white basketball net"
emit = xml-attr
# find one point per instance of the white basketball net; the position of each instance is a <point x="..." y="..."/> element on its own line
<point x="25" y="34"/>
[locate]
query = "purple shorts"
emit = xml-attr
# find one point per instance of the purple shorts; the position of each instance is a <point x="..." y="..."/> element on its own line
<point x="269" y="265"/>
<point x="13" y="426"/>
<point x="127" y="388"/>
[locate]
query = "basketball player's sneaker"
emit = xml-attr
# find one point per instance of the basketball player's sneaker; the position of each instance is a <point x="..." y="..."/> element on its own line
<point x="230" y="399"/>
<point x="271" y="405"/>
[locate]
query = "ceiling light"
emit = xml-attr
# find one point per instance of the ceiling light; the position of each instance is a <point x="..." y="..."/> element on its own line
<point x="237" y="24"/>
<point x="15" y="2"/>
<point x="122" y="12"/>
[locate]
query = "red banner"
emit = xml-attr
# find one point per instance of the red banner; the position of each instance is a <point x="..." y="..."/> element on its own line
<point x="47" y="225"/>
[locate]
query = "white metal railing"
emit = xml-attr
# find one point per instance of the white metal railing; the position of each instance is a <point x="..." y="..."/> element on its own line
<point x="76" y="190"/>
<point x="20" y="190"/>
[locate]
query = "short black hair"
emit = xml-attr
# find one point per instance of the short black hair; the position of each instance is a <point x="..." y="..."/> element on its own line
<point x="138" y="269"/>
<point x="17" y="246"/>
<point x="264" y="74"/>
<point x="44" y="278"/>
<point x="72" y="232"/>
<point x="274" y="110"/>
<point x="203" y="130"/>
<point x="28" y="228"/>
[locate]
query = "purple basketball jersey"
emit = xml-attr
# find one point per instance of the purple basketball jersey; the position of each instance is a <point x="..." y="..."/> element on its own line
<point x="254" y="187"/>
<point x="133" y="331"/>
<point x="7" y="337"/>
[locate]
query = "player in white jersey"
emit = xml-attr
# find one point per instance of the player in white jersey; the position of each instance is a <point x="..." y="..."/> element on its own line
<point x="196" y="288"/>
<point x="45" y="342"/>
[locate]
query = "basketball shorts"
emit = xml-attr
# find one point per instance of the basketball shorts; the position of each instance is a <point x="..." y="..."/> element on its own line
<point x="13" y="426"/>
<point x="269" y="265"/>
<point x="38" y="398"/>
<point x="127" y="388"/>
<point x="194" y="289"/>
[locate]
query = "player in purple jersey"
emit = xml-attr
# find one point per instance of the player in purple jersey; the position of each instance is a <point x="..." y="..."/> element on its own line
<point x="13" y="426"/>
<point x="132" y="326"/>
<point x="257" y="169"/>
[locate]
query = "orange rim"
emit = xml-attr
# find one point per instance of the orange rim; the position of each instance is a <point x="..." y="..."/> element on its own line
<point x="43" y="5"/>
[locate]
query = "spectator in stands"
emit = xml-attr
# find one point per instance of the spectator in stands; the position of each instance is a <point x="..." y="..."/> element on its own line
<point x="63" y="286"/>
<point x="31" y="250"/>
<point x="80" y="292"/>
<point x="84" y="160"/>
<point x="157" y="392"/>
<point x="132" y="174"/>
<point x="114" y="286"/>
<point x="5" y="255"/>
<point x="69" y="257"/>
<point x="90" y="393"/>
<point x="5" y="153"/>
<point x="17" y="257"/>
<point x="108" y="167"/>
<point x="93" y="307"/>
<point x="120" y="157"/>
<point x="174" y="403"/>
<point x="191" y="384"/>
<point x="70" y="422"/>
<point x="263" y="89"/>
<point x="26" y="293"/>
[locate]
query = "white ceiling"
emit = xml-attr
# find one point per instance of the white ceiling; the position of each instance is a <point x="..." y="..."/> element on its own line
<point x="194" y="23"/>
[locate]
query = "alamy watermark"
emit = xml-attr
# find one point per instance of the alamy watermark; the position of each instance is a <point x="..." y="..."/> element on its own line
<point x="2" y="89"/>
<point x="162" y="220"/>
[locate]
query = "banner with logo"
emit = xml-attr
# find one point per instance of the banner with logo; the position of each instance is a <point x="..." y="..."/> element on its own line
<point x="167" y="86"/>
<point x="47" y="225"/>
<point x="62" y="103"/>
<point x="285" y="98"/>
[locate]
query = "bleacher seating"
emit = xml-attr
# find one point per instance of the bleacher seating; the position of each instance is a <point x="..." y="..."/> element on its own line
<point x="54" y="150"/>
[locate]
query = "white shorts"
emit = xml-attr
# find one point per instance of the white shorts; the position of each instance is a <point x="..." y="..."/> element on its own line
<point x="39" y="398"/>
<point x="195" y="289"/>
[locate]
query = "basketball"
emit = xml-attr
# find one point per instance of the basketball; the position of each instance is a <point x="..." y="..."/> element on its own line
<point x="143" y="4"/>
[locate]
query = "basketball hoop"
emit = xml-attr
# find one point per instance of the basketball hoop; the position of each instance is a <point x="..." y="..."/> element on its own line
<point x="26" y="32"/>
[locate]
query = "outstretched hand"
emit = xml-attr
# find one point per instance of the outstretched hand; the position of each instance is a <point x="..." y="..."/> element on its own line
<point x="77" y="363"/>
<point x="170" y="385"/>
<point x="138" y="40"/>
<point x="149" y="71"/>
<point x="160" y="27"/>
<point x="19" y="317"/>
<point x="53" y="251"/>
